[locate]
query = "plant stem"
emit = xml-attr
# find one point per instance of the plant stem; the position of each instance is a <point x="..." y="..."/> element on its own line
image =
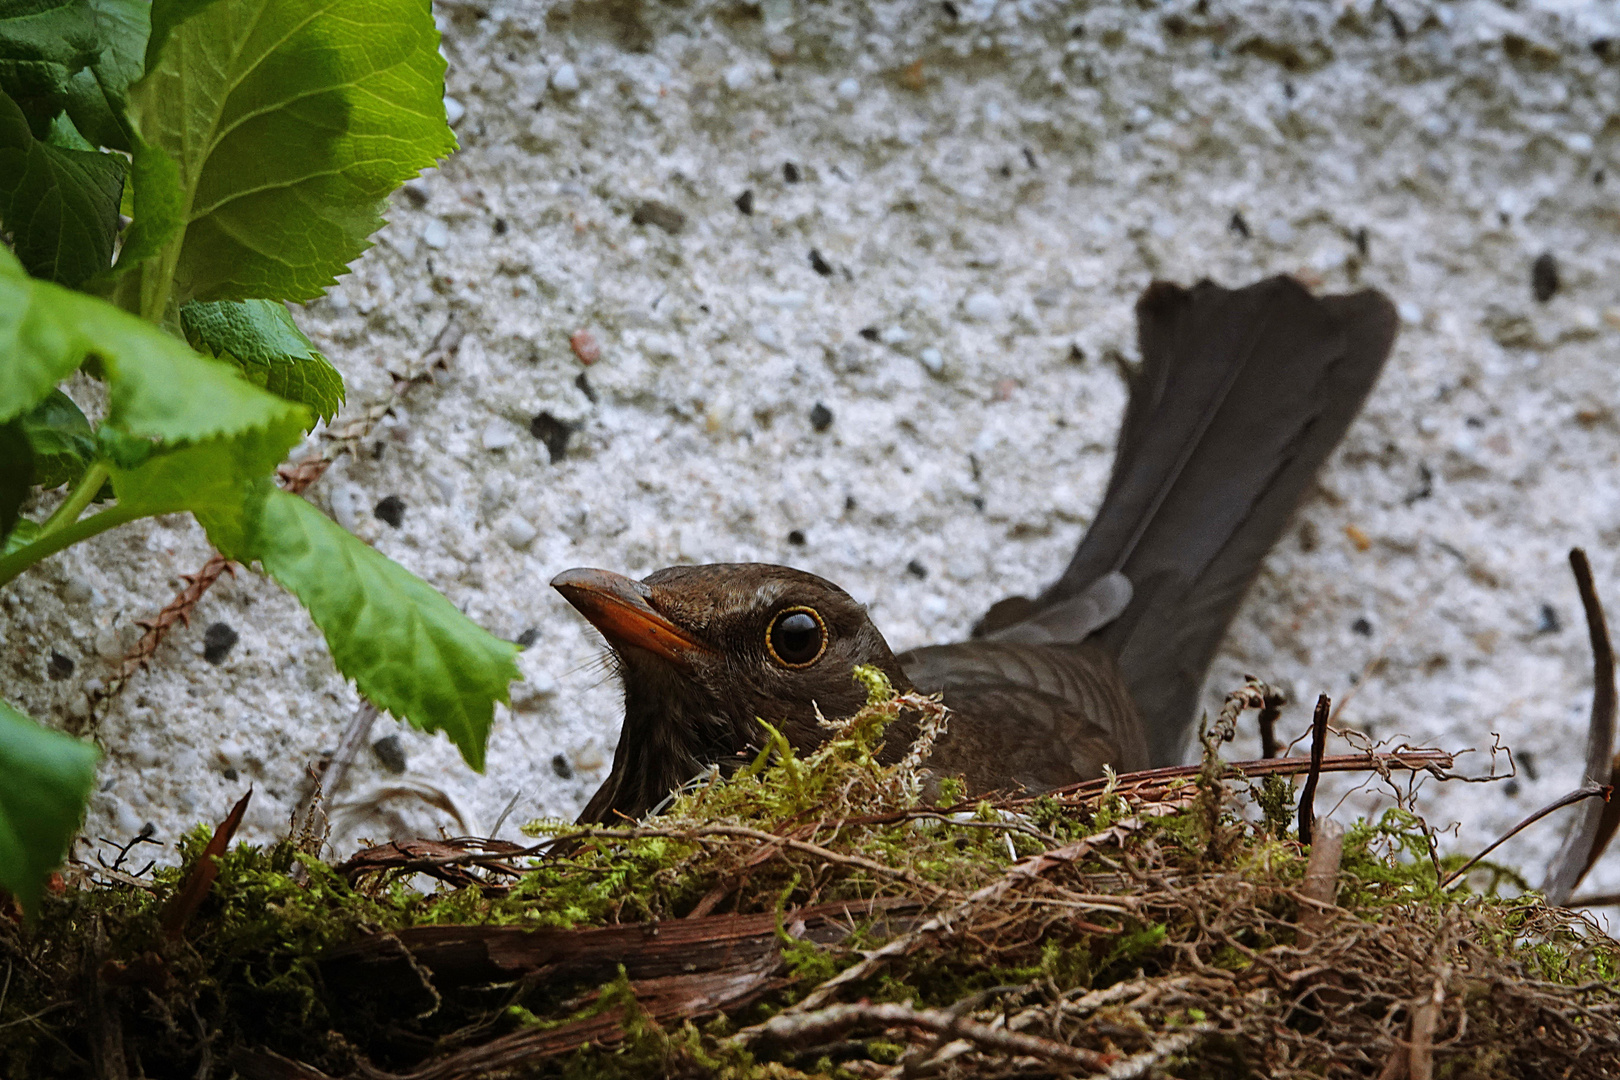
<point x="79" y="498"/>
<point x="66" y="536"/>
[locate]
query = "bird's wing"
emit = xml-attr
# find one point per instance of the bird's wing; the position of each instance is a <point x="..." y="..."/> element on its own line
<point x="1032" y="716"/>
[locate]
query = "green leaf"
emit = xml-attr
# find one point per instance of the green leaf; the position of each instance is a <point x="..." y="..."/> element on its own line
<point x="216" y="479"/>
<point x="60" y="438"/>
<point x="406" y="647"/>
<point x="59" y="204"/>
<point x="260" y="338"/>
<point x="48" y="780"/>
<point x="288" y="122"/>
<point x="16" y="474"/>
<point x="159" y="388"/>
<point x="74" y="55"/>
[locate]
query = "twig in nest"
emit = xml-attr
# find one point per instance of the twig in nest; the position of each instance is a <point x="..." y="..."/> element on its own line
<point x="329" y="778"/>
<point x="1321" y="884"/>
<point x="1268" y="727"/>
<point x="1150" y="783"/>
<point x="1027" y="870"/>
<point x="1573" y="797"/>
<point x="1594" y="826"/>
<point x="201" y="878"/>
<point x="802" y="1027"/>
<point x="1307" y="797"/>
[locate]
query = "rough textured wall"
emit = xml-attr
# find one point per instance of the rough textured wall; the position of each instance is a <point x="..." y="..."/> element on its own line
<point x="953" y="209"/>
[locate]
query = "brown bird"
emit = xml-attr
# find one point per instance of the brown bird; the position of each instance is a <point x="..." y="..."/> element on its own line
<point x="1240" y="397"/>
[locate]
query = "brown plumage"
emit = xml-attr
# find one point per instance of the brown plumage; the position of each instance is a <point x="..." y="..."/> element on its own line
<point x="1240" y="397"/>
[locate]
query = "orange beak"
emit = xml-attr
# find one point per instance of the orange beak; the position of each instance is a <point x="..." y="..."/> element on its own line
<point x="618" y="607"/>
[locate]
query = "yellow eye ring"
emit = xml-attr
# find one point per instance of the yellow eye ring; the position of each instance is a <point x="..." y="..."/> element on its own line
<point x="789" y="637"/>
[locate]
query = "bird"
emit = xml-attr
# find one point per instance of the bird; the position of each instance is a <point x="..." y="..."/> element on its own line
<point x="1239" y="397"/>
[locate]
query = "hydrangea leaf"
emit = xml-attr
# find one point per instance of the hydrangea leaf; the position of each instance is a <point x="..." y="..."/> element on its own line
<point x="49" y="777"/>
<point x="261" y="339"/>
<point x="60" y="205"/>
<point x="407" y="648"/>
<point x="288" y="122"/>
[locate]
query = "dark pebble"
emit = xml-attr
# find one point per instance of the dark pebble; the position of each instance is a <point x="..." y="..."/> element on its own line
<point x="796" y="538"/>
<point x="528" y="637"/>
<point x="663" y="215"/>
<point x="1238" y="225"/>
<point x="554" y="433"/>
<point x="390" y="753"/>
<point x="821" y="417"/>
<point x="1511" y="789"/>
<point x="390" y="510"/>
<point x="218" y="641"/>
<point x="870" y="333"/>
<point x="790" y="172"/>
<point x="1029" y="158"/>
<point x="950" y="9"/>
<point x="560" y="766"/>
<point x="1076" y="353"/>
<point x="1550" y="622"/>
<point x="819" y="264"/>
<point x="500" y="226"/>
<point x="1527" y="761"/>
<point x="745" y="203"/>
<point x="916" y="569"/>
<point x="1361" y="242"/>
<point x="586" y="388"/>
<point x="850" y="504"/>
<point x="229" y="774"/>
<point x="978" y="503"/>
<point x="1544" y="277"/>
<point x="1363" y="627"/>
<point x="416" y="195"/>
<point x="1606" y="48"/>
<point x="59" y="666"/>
<point x="1425" y="486"/>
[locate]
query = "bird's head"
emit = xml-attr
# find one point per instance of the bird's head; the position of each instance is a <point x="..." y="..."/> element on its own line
<point x="704" y="651"/>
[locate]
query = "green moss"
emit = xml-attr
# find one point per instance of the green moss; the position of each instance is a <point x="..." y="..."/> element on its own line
<point x="248" y="968"/>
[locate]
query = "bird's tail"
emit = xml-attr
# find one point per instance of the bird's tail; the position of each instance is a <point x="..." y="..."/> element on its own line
<point x="1240" y="397"/>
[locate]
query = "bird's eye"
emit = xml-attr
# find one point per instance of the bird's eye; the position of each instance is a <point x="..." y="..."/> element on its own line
<point x="797" y="637"/>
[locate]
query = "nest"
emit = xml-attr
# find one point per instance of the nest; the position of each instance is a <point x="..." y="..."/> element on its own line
<point x="833" y="916"/>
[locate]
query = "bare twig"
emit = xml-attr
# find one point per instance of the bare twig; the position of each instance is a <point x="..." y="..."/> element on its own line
<point x="1594" y="825"/>
<point x="1321" y="884"/>
<point x="1587" y="792"/>
<point x="1148" y="781"/>
<point x="1307" y="797"/>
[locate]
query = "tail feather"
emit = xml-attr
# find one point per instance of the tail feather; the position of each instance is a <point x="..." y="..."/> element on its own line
<point x="1242" y="394"/>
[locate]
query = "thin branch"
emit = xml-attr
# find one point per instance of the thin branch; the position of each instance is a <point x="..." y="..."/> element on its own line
<point x="1595" y="824"/>
<point x="1573" y="797"/>
<point x="1307" y="797"/>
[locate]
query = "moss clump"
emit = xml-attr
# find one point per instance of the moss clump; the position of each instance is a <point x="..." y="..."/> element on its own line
<point x="1152" y="930"/>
